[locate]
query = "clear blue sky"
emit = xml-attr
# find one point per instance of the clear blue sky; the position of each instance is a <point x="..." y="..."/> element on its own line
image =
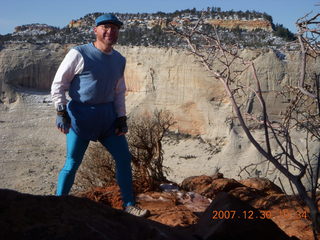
<point x="59" y="12"/>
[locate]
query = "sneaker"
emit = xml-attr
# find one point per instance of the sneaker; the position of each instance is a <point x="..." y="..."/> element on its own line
<point x="137" y="211"/>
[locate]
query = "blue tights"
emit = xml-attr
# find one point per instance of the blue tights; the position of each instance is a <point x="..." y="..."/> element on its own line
<point x="116" y="145"/>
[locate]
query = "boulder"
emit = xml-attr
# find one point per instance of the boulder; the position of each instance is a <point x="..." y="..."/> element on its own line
<point x="262" y="184"/>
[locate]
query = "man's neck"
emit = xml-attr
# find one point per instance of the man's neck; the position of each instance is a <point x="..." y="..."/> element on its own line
<point x="102" y="47"/>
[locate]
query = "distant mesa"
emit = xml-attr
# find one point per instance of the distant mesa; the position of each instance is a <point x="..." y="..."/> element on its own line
<point x="247" y="29"/>
<point x="34" y="29"/>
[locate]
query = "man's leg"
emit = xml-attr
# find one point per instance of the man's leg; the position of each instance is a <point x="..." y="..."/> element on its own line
<point x="76" y="148"/>
<point x="118" y="147"/>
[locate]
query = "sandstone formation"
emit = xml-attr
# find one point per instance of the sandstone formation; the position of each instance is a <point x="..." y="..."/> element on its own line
<point x="75" y="24"/>
<point x="156" y="77"/>
<point x="185" y="205"/>
<point x="28" y="66"/>
<point x="286" y="211"/>
<point x="242" y="24"/>
<point x="230" y="22"/>
<point x="34" y="29"/>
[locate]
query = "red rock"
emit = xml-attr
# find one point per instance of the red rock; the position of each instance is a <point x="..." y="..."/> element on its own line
<point x="292" y="218"/>
<point x="259" y="193"/>
<point x="194" y="201"/>
<point x="163" y="208"/>
<point x="208" y="186"/>
<point x="180" y="208"/>
<point x="109" y="196"/>
<point x="262" y="184"/>
<point x="246" y="194"/>
<point x="173" y="216"/>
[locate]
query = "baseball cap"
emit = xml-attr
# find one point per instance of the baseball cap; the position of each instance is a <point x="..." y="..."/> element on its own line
<point x="108" y="18"/>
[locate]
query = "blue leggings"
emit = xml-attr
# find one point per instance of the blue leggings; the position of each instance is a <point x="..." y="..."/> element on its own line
<point x="116" y="145"/>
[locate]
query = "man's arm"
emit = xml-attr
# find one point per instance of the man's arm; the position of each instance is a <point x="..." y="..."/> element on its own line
<point x="71" y="65"/>
<point x="119" y="98"/>
<point x="120" y="107"/>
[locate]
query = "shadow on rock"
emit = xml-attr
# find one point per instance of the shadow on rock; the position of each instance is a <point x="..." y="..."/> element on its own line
<point x="228" y="218"/>
<point x="24" y="216"/>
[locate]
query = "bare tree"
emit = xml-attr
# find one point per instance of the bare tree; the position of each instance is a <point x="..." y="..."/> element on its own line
<point x="145" y="142"/>
<point x="225" y="64"/>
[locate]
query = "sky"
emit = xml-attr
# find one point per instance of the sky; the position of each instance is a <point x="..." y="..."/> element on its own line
<point x="59" y="13"/>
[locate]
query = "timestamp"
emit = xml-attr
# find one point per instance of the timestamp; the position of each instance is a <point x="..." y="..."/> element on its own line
<point x="260" y="214"/>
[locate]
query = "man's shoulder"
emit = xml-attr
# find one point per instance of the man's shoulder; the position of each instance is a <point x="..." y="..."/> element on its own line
<point x="118" y="54"/>
<point x="82" y="47"/>
<point x="120" y="59"/>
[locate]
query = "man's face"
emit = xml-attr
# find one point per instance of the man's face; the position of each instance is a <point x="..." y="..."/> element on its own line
<point x="107" y="33"/>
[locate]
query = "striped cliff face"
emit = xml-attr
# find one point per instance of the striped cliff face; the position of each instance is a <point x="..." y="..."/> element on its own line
<point x="242" y="24"/>
<point x="166" y="78"/>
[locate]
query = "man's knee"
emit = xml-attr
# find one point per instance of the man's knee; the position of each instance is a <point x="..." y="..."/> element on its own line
<point x="123" y="158"/>
<point x="71" y="168"/>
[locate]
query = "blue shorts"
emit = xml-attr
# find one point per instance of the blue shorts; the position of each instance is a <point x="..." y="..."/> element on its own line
<point x="92" y="122"/>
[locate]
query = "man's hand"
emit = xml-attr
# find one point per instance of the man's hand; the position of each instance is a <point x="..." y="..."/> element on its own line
<point x="63" y="121"/>
<point x="121" y="126"/>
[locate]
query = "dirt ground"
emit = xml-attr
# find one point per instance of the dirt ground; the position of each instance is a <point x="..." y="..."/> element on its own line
<point x="33" y="151"/>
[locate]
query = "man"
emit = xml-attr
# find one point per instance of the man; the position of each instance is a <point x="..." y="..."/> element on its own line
<point x="94" y="76"/>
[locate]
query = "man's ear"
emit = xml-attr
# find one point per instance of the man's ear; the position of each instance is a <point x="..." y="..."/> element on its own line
<point x="95" y="30"/>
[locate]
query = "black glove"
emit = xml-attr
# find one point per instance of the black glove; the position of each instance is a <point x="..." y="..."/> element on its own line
<point x="121" y="125"/>
<point x="63" y="121"/>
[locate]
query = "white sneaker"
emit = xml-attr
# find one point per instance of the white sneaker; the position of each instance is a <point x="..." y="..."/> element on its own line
<point x="137" y="211"/>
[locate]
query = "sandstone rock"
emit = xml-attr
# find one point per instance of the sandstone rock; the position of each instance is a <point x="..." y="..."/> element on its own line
<point x="291" y="222"/>
<point x="178" y="208"/>
<point x="109" y="196"/>
<point x="217" y="175"/>
<point x="174" y="208"/>
<point x="224" y="185"/>
<point x="165" y="207"/>
<point x="191" y="183"/>
<point x="194" y="201"/>
<point x="242" y="24"/>
<point x="208" y="186"/>
<point x="157" y="77"/>
<point x="262" y="184"/>
<point x="259" y="193"/>
<point x="173" y="216"/>
<point x="246" y="194"/>
<point x="28" y="66"/>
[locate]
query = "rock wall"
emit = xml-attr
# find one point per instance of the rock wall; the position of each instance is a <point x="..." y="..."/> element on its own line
<point x="28" y="66"/>
<point x="242" y="24"/>
<point x="157" y="78"/>
<point x="172" y="79"/>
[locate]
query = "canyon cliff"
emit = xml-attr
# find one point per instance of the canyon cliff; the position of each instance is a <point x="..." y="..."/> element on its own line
<point x="157" y="77"/>
<point x="170" y="79"/>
